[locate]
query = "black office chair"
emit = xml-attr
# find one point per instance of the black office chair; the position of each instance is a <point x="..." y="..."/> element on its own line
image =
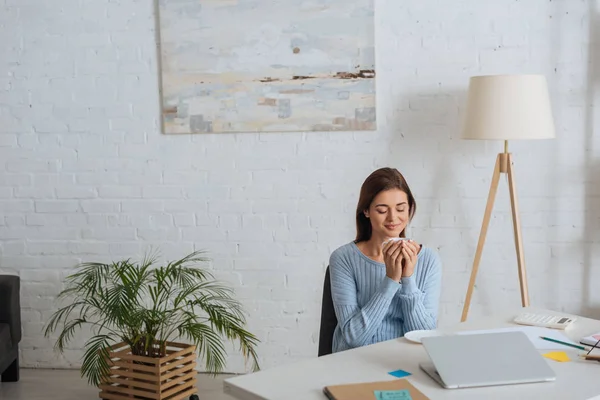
<point x="328" y="319"/>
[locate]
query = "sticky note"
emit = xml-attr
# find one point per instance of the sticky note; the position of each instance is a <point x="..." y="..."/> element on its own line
<point x="392" y="395"/>
<point x="399" y="373"/>
<point x="559" y="356"/>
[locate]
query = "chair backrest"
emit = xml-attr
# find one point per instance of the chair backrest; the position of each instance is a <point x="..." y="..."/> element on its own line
<point x="328" y="319"/>
<point x="10" y="305"/>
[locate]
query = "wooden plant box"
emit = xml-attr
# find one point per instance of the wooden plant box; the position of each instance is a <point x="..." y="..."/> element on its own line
<point x="172" y="377"/>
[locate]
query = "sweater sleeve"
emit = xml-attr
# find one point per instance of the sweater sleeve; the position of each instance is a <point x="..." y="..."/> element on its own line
<point x="420" y="306"/>
<point x="357" y="325"/>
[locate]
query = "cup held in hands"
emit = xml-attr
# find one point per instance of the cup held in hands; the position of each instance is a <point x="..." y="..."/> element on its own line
<point x="394" y="239"/>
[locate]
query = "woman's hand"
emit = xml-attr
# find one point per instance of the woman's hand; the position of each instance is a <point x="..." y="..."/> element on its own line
<point x="392" y="256"/>
<point x="410" y="251"/>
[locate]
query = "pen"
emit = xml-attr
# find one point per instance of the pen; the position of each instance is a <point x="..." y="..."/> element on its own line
<point x="563" y="343"/>
<point x="594" y="347"/>
<point x="596" y="358"/>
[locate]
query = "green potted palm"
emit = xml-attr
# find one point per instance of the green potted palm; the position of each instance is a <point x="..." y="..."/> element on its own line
<point x="150" y="323"/>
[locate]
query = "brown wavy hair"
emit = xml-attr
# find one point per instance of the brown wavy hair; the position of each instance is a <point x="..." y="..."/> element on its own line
<point x="380" y="180"/>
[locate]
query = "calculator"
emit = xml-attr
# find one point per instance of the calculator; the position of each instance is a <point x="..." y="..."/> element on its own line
<point x="544" y="320"/>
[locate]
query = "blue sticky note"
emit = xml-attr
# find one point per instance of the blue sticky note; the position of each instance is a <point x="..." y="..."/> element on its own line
<point x="393" y="395"/>
<point x="399" y="373"/>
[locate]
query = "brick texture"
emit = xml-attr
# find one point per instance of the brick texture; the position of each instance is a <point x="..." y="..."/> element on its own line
<point x="87" y="175"/>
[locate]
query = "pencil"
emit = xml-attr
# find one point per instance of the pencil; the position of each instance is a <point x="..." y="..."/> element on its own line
<point x="594" y="347"/>
<point x="563" y="343"/>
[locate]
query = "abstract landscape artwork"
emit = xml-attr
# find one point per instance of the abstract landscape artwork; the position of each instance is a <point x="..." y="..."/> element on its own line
<point x="267" y="65"/>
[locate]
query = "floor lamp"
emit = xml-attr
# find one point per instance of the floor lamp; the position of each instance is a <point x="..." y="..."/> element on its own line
<point x="506" y="107"/>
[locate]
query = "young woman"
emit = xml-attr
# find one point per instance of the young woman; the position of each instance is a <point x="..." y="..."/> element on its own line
<point x="382" y="291"/>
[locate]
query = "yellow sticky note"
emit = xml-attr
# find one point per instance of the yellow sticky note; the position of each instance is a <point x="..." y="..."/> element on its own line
<point x="559" y="356"/>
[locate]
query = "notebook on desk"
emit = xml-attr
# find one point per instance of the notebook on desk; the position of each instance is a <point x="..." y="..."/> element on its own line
<point x="591" y="340"/>
<point x="366" y="391"/>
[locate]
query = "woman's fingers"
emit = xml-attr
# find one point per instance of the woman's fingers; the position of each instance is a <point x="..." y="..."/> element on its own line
<point x="397" y="253"/>
<point x="409" y="250"/>
<point x="406" y="254"/>
<point x="386" y="247"/>
<point x="413" y="248"/>
<point x="392" y="248"/>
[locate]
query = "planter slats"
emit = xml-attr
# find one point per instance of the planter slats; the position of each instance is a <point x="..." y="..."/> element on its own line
<point x="187" y="368"/>
<point x="142" y="376"/>
<point x="177" y="363"/>
<point x="128" y="393"/>
<point x="138" y="383"/>
<point x="184" y="394"/>
<point x="135" y="367"/>
<point x="175" y="354"/>
<point x="112" y="396"/>
<point x="184" y="386"/>
<point x="172" y="377"/>
<point x="174" y="382"/>
<point x="131" y="357"/>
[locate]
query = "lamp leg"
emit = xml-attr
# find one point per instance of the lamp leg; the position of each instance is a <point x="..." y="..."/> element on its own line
<point x="517" y="230"/>
<point x="482" y="235"/>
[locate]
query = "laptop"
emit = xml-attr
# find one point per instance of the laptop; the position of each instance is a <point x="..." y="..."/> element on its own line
<point x="489" y="359"/>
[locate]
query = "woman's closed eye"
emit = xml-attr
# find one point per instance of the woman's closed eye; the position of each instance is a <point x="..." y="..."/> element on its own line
<point x="382" y="211"/>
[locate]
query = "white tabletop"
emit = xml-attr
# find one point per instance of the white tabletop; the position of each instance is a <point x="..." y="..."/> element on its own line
<point x="577" y="379"/>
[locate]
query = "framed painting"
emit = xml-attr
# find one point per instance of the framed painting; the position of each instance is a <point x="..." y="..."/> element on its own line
<point x="267" y="65"/>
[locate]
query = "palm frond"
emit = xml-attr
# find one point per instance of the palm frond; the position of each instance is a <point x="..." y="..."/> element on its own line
<point x="95" y="360"/>
<point x="61" y="315"/>
<point x="207" y="289"/>
<point x="216" y="299"/>
<point x="248" y="343"/>
<point x="209" y="344"/>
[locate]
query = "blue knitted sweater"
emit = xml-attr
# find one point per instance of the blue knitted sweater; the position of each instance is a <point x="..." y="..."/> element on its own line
<point x="370" y="307"/>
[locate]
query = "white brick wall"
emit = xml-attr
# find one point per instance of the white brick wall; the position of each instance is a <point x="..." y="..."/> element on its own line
<point x="87" y="175"/>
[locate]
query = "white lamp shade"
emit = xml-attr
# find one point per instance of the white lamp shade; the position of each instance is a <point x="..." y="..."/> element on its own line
<point x="508" y="107"/>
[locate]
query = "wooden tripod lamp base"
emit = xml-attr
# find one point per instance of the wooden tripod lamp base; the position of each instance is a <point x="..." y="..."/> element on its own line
<point x="503" y="165"/>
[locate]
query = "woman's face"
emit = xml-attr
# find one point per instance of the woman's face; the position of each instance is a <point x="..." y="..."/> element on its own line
<point x="389" y="213"/>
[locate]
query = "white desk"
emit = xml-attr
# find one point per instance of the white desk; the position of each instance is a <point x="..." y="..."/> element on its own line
<point x="578" y="379"/>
